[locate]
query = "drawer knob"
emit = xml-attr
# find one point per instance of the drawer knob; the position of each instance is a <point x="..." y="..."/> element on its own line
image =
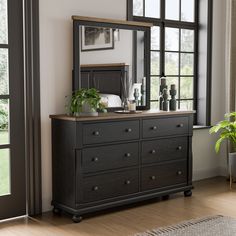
<point x="127" y="182"/>
<point x="95" y="159"/>
<point x="153" y="151"/>
<point x="180" y="125"/>
<point x="153" y="177"/>
<point x="154" y="128"/>
<point x="95" y="188"/>
<point x="179" y="148"/>
<point x="129" y="130"/>
<point x="128" y="154"/>
<point x="179" y="172"/>
<point x="96" y="133"/>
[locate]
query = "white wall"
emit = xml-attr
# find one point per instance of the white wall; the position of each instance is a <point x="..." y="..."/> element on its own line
<point x="56" y="66"/>
<point x="56" y="63"/>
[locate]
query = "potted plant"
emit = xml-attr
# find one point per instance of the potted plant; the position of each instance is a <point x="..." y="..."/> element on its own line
<point x="227" y="131"/>
<point x="86" y="102"/>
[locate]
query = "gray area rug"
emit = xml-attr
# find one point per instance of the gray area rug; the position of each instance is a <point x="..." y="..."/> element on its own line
<point x="209" y="226"/>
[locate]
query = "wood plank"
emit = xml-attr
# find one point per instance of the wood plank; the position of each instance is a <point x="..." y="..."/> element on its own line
<point x="113" y="21"/>
<point x="210" y="197"/>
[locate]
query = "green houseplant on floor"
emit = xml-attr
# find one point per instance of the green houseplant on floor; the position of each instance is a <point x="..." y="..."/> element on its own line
<point x="86" y="102"/>
<point x="227" y="132"/>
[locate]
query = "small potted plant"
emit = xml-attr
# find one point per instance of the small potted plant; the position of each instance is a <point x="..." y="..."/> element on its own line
<point x="86" y="102"/>
<point x="227" y="131"/>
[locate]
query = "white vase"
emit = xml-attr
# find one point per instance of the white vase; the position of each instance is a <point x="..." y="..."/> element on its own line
<point x="87" y="110"/>
<point x="232" y="164"/>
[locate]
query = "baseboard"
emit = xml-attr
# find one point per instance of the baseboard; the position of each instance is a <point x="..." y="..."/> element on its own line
<point x="208" y="173"/>
<point x="223" y="171"/>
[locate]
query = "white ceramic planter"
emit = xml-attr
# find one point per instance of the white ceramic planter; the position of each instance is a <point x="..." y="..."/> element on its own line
<point x="232" y="164"/>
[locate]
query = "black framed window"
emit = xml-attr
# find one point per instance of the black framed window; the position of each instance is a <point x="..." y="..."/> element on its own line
<point x="181" y="50"/>
<point x="174" y="46"/>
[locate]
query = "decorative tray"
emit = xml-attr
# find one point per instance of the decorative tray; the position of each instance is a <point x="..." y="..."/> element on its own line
<point x="127" y="112"/>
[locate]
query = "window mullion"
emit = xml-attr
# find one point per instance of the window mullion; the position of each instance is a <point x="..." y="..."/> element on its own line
<point x="179" y="68"/>
<point x="162" y="39"/>
<point x="4" y="46"/>
<point x="144" y="5"/>
<point x="196" y="57"/>
<point x="162" y="49"/>
<point x="162" y="10"/>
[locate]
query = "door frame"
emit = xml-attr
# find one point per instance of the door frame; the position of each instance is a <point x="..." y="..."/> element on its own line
<point x="32" y="107"/>
<point x="26" y="12"/>
<point x="13" y="202"/>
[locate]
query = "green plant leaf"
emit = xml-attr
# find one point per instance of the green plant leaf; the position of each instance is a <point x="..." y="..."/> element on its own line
<point x="226" y="129"/>
<point x="218" y="144"/>
<point x="229" y="115"/>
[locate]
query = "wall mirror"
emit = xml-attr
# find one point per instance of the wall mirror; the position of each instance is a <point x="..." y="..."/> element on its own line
<point x="113" y="57"/>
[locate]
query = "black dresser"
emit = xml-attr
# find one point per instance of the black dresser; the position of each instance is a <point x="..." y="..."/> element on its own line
<point x="113" y="160"/>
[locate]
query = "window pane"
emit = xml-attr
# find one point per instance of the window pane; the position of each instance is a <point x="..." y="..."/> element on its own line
<point x="155" y="38"/>
<point x="4" y="121"/>
<point x="155" y="105"/>
<point x="172" y="39"/>
<point x="171" y="63"/>
<point x="172" y="9"/>
<point x="4" y="172"/>
<point x="3" y="22"/>
<point x="152" y="8"/>
<point x="4" y="72"/>
<point x="187" y="64"/>
<point x="155" y="88"/>
<point x="187" y="40"/>
<point x="186" y="105"/>
<point x="187" y="10"/>
<point x="186" y="88"/>
<point x="138" y="7"/>
<point x="155" y="63"/>
<point x="173" y="80"/>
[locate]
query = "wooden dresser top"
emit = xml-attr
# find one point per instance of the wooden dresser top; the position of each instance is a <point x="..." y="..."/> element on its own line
<point x="112" y="115"/>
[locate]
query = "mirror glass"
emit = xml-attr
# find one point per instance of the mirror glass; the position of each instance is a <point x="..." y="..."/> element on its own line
<point x="112" y="61"/>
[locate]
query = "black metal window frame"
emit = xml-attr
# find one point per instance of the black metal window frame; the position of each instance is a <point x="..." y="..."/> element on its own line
<point x="165" y="23"/>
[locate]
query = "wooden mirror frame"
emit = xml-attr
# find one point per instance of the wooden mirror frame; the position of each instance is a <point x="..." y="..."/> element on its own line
<point x="119" y="24"/>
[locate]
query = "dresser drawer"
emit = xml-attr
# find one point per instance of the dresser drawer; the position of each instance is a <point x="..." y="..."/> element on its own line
<point x="165" y="126"/>
<point x="164" y="150"/>
<point x="110" y="132"/>
<point x="164" y="175"/>
<point x="110" y="157"/>
<point x="110" y="185"/>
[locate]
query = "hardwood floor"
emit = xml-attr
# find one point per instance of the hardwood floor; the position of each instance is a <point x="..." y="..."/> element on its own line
<point x="210" y="197"/>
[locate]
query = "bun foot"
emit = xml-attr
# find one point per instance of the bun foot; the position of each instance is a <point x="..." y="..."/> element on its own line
<point x="188" y="193"/>
<point x="166" y="197"/>
<point x="56" y="211"/>
<point x="76" y="218"/>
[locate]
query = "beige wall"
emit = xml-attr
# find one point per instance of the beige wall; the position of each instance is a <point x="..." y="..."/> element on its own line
<point x="56" y="66"/>
<point x="219" y="95"/>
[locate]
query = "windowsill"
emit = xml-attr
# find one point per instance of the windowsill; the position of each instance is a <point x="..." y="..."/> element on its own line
<point x="197" y="127"/>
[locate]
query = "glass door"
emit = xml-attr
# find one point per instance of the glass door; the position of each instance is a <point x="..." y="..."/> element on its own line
<point x="12" y="137"/>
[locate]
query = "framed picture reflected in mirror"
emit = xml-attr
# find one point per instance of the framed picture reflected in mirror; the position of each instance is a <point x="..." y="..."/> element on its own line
<point x="96" y="38"/>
